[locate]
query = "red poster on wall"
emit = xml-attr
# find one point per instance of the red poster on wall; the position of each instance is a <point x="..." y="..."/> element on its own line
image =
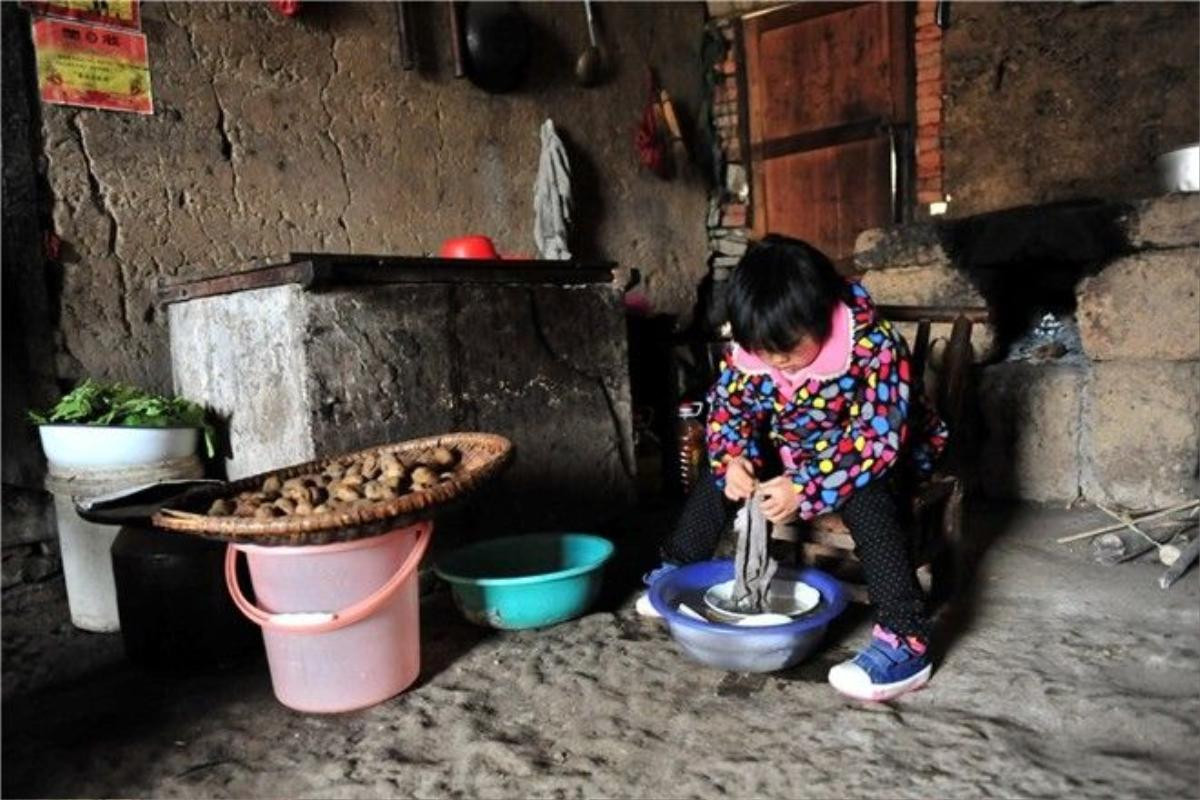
<point x="115" y="13"/>
<point x="93" y="67"/>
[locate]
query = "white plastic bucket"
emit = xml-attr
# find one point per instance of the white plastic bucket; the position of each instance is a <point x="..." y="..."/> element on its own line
<point x="341" y="622"/>
<point x="87" y="568"/>
<point x="86" y="462"/>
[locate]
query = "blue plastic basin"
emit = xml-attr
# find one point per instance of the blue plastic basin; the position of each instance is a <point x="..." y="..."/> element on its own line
<point x="738" y="648"/>
<point x="526" y="581"/>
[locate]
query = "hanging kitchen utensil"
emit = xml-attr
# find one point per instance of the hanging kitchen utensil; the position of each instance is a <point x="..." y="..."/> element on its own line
<point x="679" y="151"/>
<point x="589" y="67"/>
<point x="404" y="31"/>
<point x="668" y="109"/>
<point x="498" y="45"/>
<point x="460" y="68"/>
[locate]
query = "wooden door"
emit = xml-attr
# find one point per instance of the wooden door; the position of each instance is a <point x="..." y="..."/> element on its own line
<point x="829" y="111"/>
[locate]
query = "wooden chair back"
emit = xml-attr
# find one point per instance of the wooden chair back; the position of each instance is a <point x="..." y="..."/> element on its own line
<point x="950" y="393"/>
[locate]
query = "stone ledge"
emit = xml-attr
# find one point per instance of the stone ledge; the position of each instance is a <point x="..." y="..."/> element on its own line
<point x="1141" y="433"/>
<point x="1030" y="441"/>
<point x="929" y="286"/>
<point x="1169" y="221"/>
<point x="1144" y="306"/>
<point x="921" y="286"/>
<point x="1172" y="220"/>
<point x="914" y="245"/>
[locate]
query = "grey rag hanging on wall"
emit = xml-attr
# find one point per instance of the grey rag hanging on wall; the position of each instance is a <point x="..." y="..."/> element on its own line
<point x="552" y="197"/>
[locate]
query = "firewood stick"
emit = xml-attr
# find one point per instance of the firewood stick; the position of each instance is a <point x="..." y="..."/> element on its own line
<point x="1117" y="546"/>
<point x="1167" y="554"/>
<point x="1166" y="512"/>
<point x="1176" y="570"/>
<point x="1120" y="546"/>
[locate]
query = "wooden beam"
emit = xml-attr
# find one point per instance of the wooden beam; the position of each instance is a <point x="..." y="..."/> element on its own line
<point x="815" y="140"/>
<point x="938" y="314"/>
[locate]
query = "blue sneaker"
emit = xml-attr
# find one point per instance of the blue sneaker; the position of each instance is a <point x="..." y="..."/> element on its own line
<point x="889" y="666"/>
<point x="642" y="606"/>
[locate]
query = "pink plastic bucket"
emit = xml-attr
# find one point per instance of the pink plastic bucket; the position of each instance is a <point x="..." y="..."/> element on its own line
<point x="341" y="622"/>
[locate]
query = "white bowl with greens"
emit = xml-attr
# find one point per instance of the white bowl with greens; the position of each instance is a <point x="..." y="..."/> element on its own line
<point x="102" y="425"/>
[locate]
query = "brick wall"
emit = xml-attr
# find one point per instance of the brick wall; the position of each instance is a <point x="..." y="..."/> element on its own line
<point x="930" y="86"/>
<point x="728" y="209"/>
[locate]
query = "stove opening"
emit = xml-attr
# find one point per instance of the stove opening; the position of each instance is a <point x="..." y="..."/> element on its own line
<point x="1027" y="262"/>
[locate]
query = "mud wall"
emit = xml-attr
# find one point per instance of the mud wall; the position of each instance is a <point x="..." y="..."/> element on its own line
<point x="28" y="377"/>
<point x="274" y="135"/>
<point x="1051" y="101"/>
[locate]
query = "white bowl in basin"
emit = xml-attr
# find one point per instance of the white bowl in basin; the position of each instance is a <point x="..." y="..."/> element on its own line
<point x="100" y="446"/>
<point x="786" y="597"/>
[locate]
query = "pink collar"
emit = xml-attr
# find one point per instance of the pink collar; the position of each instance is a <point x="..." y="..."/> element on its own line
<point x="832" y="362"/>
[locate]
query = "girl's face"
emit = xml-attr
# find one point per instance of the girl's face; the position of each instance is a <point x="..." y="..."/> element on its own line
<point x="799" y="357"/>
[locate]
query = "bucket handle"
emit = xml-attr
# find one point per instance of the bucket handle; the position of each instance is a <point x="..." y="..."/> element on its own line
<point x="323" y="622"/>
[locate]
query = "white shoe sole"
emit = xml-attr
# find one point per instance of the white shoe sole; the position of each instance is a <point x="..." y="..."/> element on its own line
<point x="879" y="692"/>
<point x="643" y="607"/>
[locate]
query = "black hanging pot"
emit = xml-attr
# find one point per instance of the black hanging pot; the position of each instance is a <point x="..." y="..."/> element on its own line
<point x="499" y="44"/>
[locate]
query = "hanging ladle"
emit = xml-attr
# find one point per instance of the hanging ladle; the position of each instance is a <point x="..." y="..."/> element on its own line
<point x="588" y="67"/>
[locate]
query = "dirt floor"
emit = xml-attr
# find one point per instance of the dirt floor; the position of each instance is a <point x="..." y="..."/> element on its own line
<point x="1061" y="678"/>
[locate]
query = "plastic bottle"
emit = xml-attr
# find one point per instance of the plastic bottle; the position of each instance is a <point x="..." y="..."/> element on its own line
<point x="690" y="436"/>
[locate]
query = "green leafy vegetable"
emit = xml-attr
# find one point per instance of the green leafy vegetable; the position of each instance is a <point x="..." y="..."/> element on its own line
<point x="95" y="403"/>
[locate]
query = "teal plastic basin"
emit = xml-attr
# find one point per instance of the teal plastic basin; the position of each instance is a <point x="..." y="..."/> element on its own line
<point x="526" y="581"/>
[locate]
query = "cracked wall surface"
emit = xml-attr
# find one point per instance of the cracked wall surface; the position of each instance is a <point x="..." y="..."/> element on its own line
<point x="1053" y="101"/>
<point x="273" y="135"/>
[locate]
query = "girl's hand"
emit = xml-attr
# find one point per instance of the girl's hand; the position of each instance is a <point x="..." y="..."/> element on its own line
<point x="778" y="499"/>
<point x="739" y="480"/>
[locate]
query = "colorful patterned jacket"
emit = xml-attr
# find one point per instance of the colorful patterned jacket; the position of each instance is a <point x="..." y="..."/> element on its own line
<point x="838" y="424"/>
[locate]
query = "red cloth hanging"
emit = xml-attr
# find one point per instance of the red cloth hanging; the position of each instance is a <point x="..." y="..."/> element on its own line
<point x="648" y="138"/>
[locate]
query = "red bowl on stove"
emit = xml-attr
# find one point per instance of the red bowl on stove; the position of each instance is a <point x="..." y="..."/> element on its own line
<point x="480" y="247"/>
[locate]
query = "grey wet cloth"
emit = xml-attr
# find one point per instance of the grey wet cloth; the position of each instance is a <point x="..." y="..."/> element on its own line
<point x="552" y="197"/>
<point x="753" y="566"/>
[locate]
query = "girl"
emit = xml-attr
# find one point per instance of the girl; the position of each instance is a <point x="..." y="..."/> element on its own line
<point x="812" y="410"/>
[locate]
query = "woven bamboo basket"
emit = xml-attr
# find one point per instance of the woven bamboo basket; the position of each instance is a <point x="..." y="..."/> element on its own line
<point x="482" y="456"/>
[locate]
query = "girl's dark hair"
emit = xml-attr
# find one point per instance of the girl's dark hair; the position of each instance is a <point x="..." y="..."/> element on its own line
<point x="782" y="290"/>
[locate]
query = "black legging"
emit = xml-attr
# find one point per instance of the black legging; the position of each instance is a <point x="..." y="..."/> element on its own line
<point x="880" y="541"/>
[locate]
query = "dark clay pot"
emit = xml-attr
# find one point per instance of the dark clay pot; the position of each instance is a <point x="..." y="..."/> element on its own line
<point x="175" y="610"/>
